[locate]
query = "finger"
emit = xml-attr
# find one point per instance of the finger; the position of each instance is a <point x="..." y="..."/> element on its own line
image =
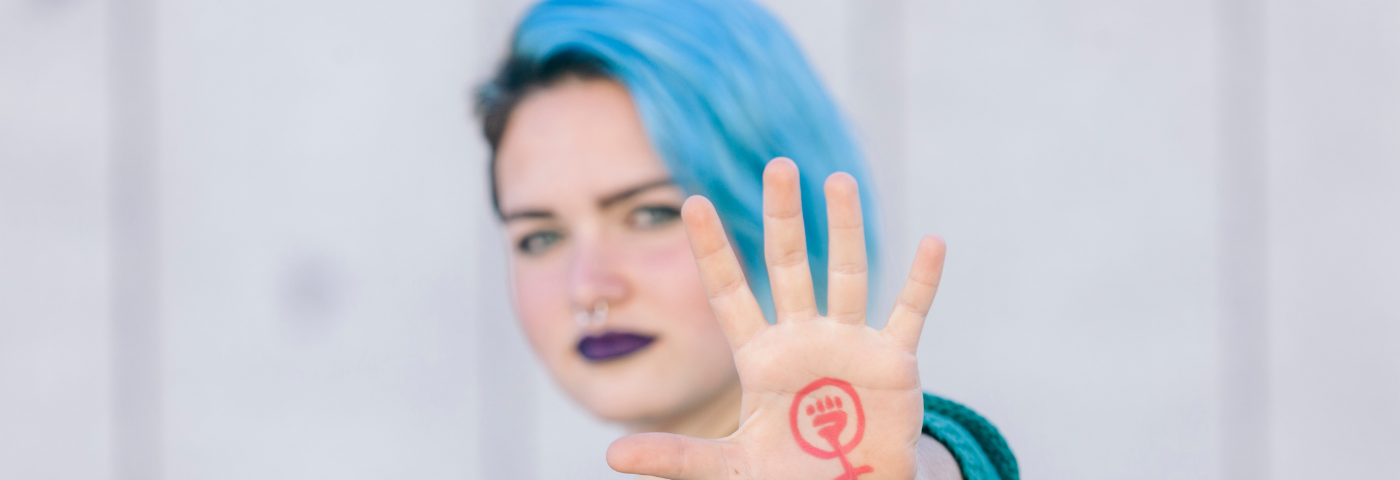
<point x="785" y="243"/>
<point x="668" y="456"/>
<point x="911" y="307"/>
<point x="735" y="307"/>
<point x="847" y="275"/>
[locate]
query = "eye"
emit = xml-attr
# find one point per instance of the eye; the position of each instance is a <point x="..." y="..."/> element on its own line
<point x="538" y="242"/>
<point x="653" y="216"/>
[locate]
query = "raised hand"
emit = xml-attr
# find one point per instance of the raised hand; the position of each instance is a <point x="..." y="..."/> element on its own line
<point x="824" y="397"/>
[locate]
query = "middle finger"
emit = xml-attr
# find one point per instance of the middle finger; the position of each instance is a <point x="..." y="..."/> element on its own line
<point x="847" y="271"/>
<point x="785" y="242"/>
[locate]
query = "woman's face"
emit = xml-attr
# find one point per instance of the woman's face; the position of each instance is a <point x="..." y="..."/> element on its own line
<point x="604" y="281"/>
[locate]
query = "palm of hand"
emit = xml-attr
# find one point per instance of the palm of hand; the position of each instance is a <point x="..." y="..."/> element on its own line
<point x="823" y="396"/>
<point x="784" y="359"/>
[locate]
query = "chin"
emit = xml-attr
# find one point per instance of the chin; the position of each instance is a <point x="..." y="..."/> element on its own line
<point x="630" y="390"/>
<point x="630" y="409"/>
<point x="681" y="370"/>
<point x="645" y="388"/>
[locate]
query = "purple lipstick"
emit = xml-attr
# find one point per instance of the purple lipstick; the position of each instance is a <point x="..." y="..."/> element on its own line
<point x="612" y="345"/>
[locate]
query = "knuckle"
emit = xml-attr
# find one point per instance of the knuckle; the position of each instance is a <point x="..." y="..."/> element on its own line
<point x="710" y="253"/>
<point x="789" y="258"/>
<point x="782" y="214"/>
<point x="847" y="226"/>
<point x="728" y="287"/>
<point x="927" y="284"/>
<point x="851" y="269"/>
<point x="849" y="316"/>
<point x="917" y="307"/>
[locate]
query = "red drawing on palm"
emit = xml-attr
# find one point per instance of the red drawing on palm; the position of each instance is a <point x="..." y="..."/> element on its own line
<point x="820" y="415"/>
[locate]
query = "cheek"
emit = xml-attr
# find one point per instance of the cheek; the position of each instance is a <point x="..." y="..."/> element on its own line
<point x="671" y="276"/>
<point x="701" y="352"/>
<point x="541" y="302"/>
<point x="673" y="265"/>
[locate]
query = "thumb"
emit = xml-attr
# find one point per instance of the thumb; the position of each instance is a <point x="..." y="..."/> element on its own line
<point x="670" y="456"/>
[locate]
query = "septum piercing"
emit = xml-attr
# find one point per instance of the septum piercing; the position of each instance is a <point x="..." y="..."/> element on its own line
<point x="585" y="319"/>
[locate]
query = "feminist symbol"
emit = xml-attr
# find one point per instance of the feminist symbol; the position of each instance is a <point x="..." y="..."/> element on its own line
<point x="820" y="412"/>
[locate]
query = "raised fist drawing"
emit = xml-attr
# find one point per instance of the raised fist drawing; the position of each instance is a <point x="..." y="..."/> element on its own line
<point x="834" y="420"/>
<point x="828" y="417"/>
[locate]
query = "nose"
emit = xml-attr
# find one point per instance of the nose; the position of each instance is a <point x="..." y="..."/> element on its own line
<point x="595" y="277"/>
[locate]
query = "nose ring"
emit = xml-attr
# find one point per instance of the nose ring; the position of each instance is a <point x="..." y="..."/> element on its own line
<point x="595" y="318"/>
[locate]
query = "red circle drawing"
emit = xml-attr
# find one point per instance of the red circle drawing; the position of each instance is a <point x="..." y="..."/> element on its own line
<point x="855" y="405"/>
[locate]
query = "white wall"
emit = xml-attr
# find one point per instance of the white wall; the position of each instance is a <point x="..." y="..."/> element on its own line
<point x="1172" y="232"/>
<point x="1066" y="152"/>
<point x="319" y="196"/>
<point x="54" y="402"/>
<point x="1334" y="227"/>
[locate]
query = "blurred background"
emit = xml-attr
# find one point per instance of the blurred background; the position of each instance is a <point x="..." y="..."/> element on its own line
<point x="252" y="239"/>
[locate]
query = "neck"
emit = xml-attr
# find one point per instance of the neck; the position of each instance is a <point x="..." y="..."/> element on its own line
<point x="715" y="418"/>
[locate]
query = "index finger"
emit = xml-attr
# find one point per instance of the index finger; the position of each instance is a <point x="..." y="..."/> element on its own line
<point x="735" y="307"/>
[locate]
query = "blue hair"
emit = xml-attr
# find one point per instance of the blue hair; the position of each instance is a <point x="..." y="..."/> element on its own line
<point x="721" y="89"/>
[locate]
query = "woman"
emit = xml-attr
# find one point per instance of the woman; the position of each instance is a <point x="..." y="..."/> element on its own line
<point x="606" y="114"/>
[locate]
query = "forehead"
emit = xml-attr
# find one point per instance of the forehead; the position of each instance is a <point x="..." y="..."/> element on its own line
<point x="579" y="139"/>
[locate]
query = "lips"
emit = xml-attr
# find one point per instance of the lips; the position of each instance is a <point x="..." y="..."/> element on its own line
<point x="612" y="345"/>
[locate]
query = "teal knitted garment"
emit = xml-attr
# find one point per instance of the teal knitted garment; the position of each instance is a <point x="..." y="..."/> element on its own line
<point x="977" y="445"/>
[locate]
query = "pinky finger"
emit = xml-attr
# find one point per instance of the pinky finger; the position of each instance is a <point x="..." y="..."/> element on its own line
<point x="906" y="322"/>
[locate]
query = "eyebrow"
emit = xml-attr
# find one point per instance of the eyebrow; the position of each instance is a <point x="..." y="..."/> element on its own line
<point x="605" y="202"/>
<point x="631" y="192"/>
<point x="524" y="214"/>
